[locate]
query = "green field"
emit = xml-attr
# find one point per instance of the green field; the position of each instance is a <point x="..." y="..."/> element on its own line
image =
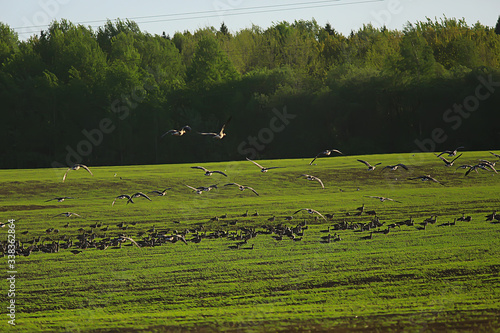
<point x="405" y="278"/>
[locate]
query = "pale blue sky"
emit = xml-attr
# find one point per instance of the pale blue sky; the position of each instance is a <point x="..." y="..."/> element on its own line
<point x="30" y="16"/>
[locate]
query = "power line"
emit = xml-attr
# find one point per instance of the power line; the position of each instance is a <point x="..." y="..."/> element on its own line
<point x="197" y="13"/>
<point x="229" y="12"/>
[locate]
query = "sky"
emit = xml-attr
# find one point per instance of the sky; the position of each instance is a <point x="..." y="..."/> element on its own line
<point x="28" y="17"/>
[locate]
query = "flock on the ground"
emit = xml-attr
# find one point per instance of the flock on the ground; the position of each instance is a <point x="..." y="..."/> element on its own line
<point x="97" y="236"/>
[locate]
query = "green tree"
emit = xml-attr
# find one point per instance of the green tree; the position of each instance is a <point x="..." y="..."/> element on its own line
<point x="210" y="65"/>
<point x="416" y="55"/>
<point x="8" y="42"/>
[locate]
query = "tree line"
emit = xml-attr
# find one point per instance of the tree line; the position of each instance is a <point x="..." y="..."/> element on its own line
<point x="72" y="94"/>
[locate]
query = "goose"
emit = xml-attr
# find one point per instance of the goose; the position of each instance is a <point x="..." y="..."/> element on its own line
<point x="242" y="187"/>
<point x="487" y="164"/>
<point x="426" y="178"/>
<point x="361" y="208"/>
<point x="60" y="199"/>
<point x="139" y="194"/>
<point x="449" y="163"/>
<point x="329" y="216"/>
<point x="68" y="214"/>
<point x="180" y="132"/>
<point x="76" y="167"/>
<point x="311" y="211"/>
<point x="496" y="155"/>
<point x="75" y="252"/>
<point x="207" y="188"/>
<point x="245" y="214"/>
<point x="483" y="166"/>
<point x="491" y="217"/>
<point x="256" y="213"/>
<point x="219" y="135"/>
<point x="370" y="236"/>
<point x="465" y="218"/>
<point x="395" y="167"/>
<point x="161" y="193"/>
<point x="464" y="166"/>
<point x="309" y="177"/>
<point x="370" y="167"/>
<point x="382" y="199"/>
<point x="123" y="196"/>
<point x="130" y="197"/>
<point x="327" y="152"/>
<point x="208" y="172"/>
<point x="451" y="153"/>
<point x="123" y="239"/>
<point x="262" y="169"/>
<point x="197" y="190"/>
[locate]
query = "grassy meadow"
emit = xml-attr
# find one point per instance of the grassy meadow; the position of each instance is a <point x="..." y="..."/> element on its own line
<point x="403" y="278"/>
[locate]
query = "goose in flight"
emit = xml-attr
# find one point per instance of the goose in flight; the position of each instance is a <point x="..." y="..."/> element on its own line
<point x="219" y="135"/>
<point x="208" y="172"/>
<point x="68" y="214"/>
<point x="161" y="193"/>
<point x="130" y="197"/>
<point x="123" y="239"/>
<point x="262" y="169"/>
<point x="426" y="178"/>
<point x="242" y="187"/>
<point x="309" y="177"/>
<point x="449" y="163"/>
<point x="395" y="167"/>
<point x="370" y="167"/>
<point x="481" y="165"/>
<point x="206" y="188"/>
<point x="311" y="211"/>
<point x="198" y="190"/>
<point x="326" y="153"/>
<point x="496" y="155"/>
<point x="76" y="167"/>
<point x="382" y="199"/>
<point x="180" y="132"/>
<point x="59" y="199"/>
<point x="451" y="153"/>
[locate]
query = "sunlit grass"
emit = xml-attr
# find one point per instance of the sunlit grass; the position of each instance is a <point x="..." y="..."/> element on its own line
<point x="407" y="279"/>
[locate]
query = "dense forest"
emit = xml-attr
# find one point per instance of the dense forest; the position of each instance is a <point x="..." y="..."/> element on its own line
<point x="105" y="97"/>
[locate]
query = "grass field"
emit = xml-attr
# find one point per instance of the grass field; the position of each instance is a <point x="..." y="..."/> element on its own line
<point x="402" y="278"/>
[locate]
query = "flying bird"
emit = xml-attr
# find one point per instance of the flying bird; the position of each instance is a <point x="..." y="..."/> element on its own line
<point x="180" y="132"/>
<point x="370" y="167"/>
<point x="76" y="167"/>
<point x="68" y="214"/>
<point x="382" y="199"/>
<point x="219" y="135"/>
<point x="496" y="155"/>
<point x="313" y="178"/>
<point x="311" y="211"/>
<point x="426" y="178"/>
<point x="451" y="153"/>
<point x="449" y="163"/>
<point x="197" y="190"/>
<point x="161" y="193"/>
<point x="123" y="239"/>
<point x="59" y="199"/>
<point x="326" y="153"/>
<point x="395" y="167"/>
<point x="206" y="188"/>
<point x="208" y="172"/>
<point x="262" y="169"/>
<point x="130" y="197"/>
<point x="242" y="187"/>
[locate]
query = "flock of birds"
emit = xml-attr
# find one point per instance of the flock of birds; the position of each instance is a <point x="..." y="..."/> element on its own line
<point x="98" y="238"/>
